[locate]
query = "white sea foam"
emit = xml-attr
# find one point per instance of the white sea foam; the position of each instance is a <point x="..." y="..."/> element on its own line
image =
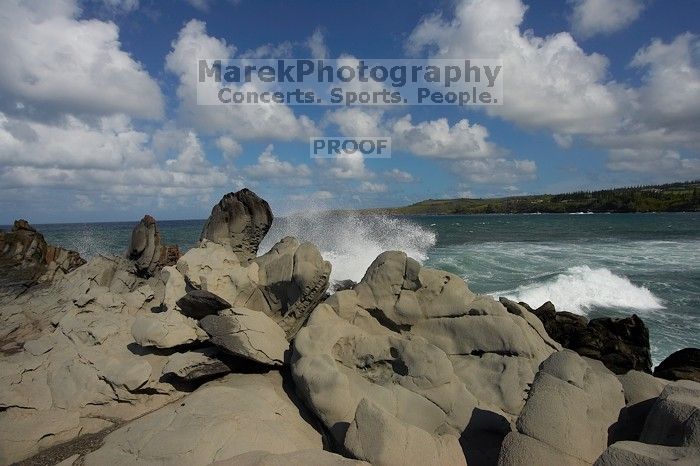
<point x="582" y="288"/>
<point x="352" y="242"/>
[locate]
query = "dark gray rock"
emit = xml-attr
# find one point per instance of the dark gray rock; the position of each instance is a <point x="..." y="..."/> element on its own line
<point x="622" y="344"/>
<point x="195" y="365"/>
<point x="146" y="250"/>
<point x="26" y="258"/>
<point x="200" y="303"/>
<point x="240" y="220"/>
<point x="683" y="364"/>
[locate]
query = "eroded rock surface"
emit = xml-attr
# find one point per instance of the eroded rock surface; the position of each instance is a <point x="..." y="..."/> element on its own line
<point x="381" y="439"/>
<point x="146" y="250"/>
<point x="68" y="367"/>
<point x="26" y="258"/>
<point x="240" y="220"/>
<point x="421" y="347"/>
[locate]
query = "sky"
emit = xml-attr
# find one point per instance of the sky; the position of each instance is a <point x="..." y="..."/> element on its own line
<point x="99" y="119"/>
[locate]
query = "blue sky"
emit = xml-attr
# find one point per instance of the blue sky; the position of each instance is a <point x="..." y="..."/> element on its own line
<point x="98" y="120"/>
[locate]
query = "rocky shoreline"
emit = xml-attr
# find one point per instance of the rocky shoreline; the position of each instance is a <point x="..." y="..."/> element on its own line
<point x="223" y="356"/>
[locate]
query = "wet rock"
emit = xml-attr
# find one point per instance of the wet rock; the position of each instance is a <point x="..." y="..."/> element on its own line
<point x="683" y="364"/>
<point x="146" y="250"/>
<point x="622" y="344"/>
<point x="240" y="221"/>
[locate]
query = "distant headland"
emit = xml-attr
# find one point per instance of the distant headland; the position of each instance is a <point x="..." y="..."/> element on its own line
<point x="673" y="197"/>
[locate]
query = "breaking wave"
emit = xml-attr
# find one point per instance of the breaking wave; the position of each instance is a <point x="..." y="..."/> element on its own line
<point x="351" y="242"/>
<point x="582" y="288"/>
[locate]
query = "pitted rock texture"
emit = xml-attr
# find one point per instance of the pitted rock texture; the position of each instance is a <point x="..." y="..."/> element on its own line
<point x="146" y="250"/>
<point x="240" y="221"/>
<point x="237" y="414"/>
<point x="293" y="279"/>
<point x="336" y="364"/>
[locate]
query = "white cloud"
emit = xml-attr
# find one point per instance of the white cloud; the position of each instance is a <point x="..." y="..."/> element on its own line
<point x="121" y="6"/>
<point x="269" y="166"/>
<point x="317" y="45"/>
<point x="105" y="158"/>
<point x="282" y="50"/>
<point x="437" y="139"/>
<point x="314" y="196"/>
<point x="350" y="166"/>
<point x="373" y="188"/>
<point x="552" y="83"/>
<point x="356" y="121"/>
<point x="670" y="94"/>
<point x="63" y="65"/>
<point x="658" y="162"/>
<point x="399" y="175"/>
<point x="229" y="146"/>
<point x="493" y="171"/>
<point x="201" y="5"/>
<point x="268" y="121"/>
<point x="549" y="81"/>
<point x="592" y="17"/>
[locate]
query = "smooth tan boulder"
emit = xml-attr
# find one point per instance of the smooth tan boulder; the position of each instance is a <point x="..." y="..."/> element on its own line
<point x="382" y="440"/>
<point x="336" y="364"/>
<point x="571" y="408"/>
<point x="303" y="457"/>
<point x="641" y="454"/>
<point x="225" y="418"/>
<point x="249" y="334"/>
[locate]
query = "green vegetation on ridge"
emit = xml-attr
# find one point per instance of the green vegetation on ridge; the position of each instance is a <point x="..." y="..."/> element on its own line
<point x="674" y="197"/>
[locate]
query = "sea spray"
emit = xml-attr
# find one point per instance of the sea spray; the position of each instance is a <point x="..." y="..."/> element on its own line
<point x="582" y="288"/>
<point x="351" y="242"/>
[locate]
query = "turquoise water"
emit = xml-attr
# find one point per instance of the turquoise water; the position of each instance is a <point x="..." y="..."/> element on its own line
<point x="596" y="265"/>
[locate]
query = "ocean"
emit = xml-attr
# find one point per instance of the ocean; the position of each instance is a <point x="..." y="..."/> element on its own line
<point x="590" y="264"/>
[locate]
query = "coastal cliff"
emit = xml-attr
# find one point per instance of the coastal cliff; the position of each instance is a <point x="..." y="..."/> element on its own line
<point x="223" y="356"/>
